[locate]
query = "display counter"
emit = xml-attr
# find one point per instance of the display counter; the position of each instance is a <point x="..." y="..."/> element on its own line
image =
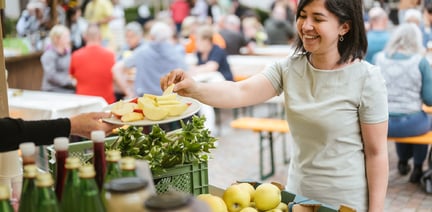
<point x="25" y="71"/>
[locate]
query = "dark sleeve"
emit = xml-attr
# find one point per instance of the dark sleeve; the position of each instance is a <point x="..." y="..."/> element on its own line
<point x="16" y="131"/>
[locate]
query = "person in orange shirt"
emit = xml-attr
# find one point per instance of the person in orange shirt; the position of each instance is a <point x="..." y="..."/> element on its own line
<point x="189" y="26"/>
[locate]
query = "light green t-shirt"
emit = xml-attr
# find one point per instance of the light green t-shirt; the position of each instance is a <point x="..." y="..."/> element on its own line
<point x="324" y="110"/>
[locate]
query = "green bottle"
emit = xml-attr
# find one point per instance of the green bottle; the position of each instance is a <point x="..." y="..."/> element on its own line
<point x="113" y="168"/>
<point x="28" y="191"/>
<point x="46" y="197"/>
<point x="5" y="205"/>
<point x="70" y="194"/>
<point x="127" y="166"/>
<point x="89" y="197"/>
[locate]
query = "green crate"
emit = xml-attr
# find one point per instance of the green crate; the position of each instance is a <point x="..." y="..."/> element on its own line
<point x="189" y="178"/>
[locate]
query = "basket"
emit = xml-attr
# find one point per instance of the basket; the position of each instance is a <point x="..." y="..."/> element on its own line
<point x="189" y="178"/>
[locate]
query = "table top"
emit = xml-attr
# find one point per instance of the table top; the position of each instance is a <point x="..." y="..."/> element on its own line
<point x="35" y="105"/>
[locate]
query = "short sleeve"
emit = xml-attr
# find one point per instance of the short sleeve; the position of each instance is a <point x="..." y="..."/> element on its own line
<point x="274" y="73"/>
<point x="373" y="103"/>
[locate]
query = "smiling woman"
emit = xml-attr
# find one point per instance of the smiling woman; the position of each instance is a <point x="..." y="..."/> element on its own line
<point x="336" y="106"/>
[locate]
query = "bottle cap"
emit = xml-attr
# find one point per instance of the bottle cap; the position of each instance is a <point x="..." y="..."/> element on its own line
<point x="126" y="184"/>
<point x="30" y="171"/>
<point x="97" y="135"/>
<point x="61" y="143"/>
<point x="113" y="155"/>
<point x="127" y="163"/>
<point x="4" y="192"/>
<point x="27" y="148"/>
<point x="44" y="180"/>
<point x="87" y="171"/>
<point x="72" y="163"/>
<point x="168" y="200"/>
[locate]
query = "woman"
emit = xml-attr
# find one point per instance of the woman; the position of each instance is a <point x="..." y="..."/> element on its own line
<point x="336" y="106"/>
<point x="409" y="82"/>
<point x="56" y="60"/>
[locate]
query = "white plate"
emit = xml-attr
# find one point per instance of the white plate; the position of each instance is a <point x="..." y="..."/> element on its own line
<point x="193" y="108"/>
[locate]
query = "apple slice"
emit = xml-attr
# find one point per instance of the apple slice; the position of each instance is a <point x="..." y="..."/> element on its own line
<point x="168" y="90"/>
<point x="175" y="109"/>
<point x="154" y="113"/>
<point x="120" y="108"/>
<point x="134" y="116"/>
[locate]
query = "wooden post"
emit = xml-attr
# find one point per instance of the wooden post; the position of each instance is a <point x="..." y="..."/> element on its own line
<point x="10" y="167"/>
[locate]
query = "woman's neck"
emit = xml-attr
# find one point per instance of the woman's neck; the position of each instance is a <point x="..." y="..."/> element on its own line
<point x="326" y="62"/>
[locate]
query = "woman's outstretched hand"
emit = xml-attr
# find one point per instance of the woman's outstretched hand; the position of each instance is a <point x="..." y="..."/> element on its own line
<point x="184" y="84"/>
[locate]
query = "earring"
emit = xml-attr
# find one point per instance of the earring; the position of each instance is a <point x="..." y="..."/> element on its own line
<point x="341" y="38"/>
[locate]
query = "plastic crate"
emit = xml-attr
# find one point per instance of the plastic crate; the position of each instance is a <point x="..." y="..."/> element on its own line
<point x="189" y="178"/>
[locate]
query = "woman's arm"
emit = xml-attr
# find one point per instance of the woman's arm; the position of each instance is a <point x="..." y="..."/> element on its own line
<point x="377" y="169"/>
<point x="225" y="94"/>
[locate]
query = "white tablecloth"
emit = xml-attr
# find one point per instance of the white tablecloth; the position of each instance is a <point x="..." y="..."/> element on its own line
<point x="35" y="105"/>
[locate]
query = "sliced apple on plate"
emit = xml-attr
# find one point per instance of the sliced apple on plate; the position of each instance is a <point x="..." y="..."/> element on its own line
<point x="154" y="113"/>
<point x="133" y="116"/>
<point x="121" y="108"/>
<point x="168" y="90"/>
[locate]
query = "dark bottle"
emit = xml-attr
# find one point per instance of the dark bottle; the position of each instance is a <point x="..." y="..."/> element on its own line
<point x="113" y="168"/>
<point x="70" y="202"/>
<point x="89" y="197"/>
<point x="5" y="204"/>
<point x="61" y="152"/>
<point x="46" y="198"/>
<point x="28" y="150"/>
<point x="28" y="191"/>
<point x="99" y="163"/>
<point x="128" y="166"/>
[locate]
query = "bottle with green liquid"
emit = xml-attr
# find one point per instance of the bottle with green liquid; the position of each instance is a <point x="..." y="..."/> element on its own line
<point x="46" y="197"/>
<point x="5" y="204"/>
<point x="89" y="196"/>
<point x="28" y="191"/>
<point x="70" y="202"/>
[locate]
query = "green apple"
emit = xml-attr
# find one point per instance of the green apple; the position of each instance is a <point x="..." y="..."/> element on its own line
<point x="236" y="198"/>
<point x="154" y="113"/>
<point x="249" y="209"/>
<point x="215" y="203"/>
<point x="267" y="196"/>
<point x="249" y="187"/>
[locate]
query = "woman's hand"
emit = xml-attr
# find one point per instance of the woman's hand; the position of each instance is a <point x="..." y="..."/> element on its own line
<point x="83" y="124"/>
<point x="184" y="84"/>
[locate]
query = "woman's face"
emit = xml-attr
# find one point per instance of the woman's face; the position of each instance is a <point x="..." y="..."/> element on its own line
<point x="319" y="29"/>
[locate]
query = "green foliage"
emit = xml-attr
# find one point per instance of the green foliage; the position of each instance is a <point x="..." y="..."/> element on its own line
<point x="190" y="144"/>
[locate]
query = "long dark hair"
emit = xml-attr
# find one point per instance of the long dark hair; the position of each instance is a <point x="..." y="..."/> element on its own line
<point x="354" y="45"/>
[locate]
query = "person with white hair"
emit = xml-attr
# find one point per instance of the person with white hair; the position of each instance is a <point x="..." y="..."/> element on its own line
<point x="408" y="77"/>
<point x="378" y="33"/>
<point x="416" y="17"/>
<point x="231" y="33"/>
<point x="151" y="61"/>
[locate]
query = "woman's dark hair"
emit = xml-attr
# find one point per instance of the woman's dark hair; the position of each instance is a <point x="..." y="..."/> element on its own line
<point x="354" y="45"/>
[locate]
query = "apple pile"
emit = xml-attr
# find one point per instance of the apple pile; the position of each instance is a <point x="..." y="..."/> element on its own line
<point x="149" y="106"/>
<point x="243" y="197"/>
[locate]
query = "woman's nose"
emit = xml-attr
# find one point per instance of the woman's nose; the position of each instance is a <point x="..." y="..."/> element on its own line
<point x="307" y="25"/>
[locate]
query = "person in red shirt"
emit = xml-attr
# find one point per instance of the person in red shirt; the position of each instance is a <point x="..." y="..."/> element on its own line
<point x="91" y="67"/>
<point x="180" y="9"/>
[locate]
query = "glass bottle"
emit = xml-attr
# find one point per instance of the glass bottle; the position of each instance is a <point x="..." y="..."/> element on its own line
<point x="28" y="151"/>
<point x="5" y="204"/>
<point x="70" y="194"/>
<point x="89" y="198"/>
<point x="46" y="198"/>
<point x="99" y="160"/>
<point x="61" y="152"/>
<point x="28" y="191"/>
<point x="113" y="168"/>
<point x="126" y="194"/>
<point x="128" y="166"/>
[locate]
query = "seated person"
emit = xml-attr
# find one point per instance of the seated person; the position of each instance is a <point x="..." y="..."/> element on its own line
<point x="211" y="58"/>
<point x="189" y="27"/>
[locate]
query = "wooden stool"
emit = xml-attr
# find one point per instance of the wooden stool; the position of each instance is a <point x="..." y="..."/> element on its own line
<point x="265" y="127"/>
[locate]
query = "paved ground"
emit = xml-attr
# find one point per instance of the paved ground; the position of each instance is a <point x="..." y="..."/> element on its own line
<point x="236" y="158"/>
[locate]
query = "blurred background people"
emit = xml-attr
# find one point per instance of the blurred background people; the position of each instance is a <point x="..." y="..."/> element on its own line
<point x="91" y="67"/>
<point x="211" y="58"/>
<point x="56" y="60"/>
<point x="77" y="25"/>
<point x="378" y="33"/>
<point x="231" y="32"/>
<point x="408" y="79"/>
<point x="188" y="33"/>
<point x="253" y="31"/>
<point x="151" y="61"/>
<point x="179" y="9"/>
<point x="278" y="29"/>
<point x="32" y="19"/>
<point x="100" y="12"/>
<point x="116" y="26"/>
